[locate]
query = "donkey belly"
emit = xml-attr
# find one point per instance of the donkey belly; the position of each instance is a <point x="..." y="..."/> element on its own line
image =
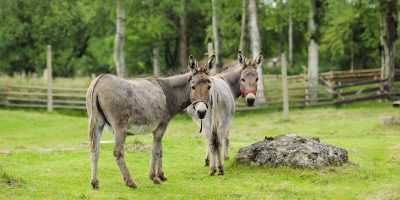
<point x="142" y="120"/>
<point x="134" y="128"/>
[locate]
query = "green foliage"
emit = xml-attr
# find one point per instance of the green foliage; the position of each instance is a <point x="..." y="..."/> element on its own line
<point x="82" y="33"/>
<point x="351" y="28"/>
<point x="29" y="26"/>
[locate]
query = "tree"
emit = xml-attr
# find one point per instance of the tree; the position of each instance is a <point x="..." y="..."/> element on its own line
<point x="290" y="33"/>
<point x="217" y="34"/>
<point x="244" y="34"/>
<point x="183" y="55"/>
<point x="119" y="41"/>
<point x="156" y="60"/>
<point x="255" y="42"/>
<point x="389" y="36"/>
<point x="313" y="51"/>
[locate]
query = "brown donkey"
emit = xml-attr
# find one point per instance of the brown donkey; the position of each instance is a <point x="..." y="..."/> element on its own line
<point x="142" y="106"/>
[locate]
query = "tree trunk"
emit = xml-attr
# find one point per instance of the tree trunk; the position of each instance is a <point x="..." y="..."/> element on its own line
<point x="119" y="42"/>
<point x="255" y="43"/>
<point x="389" y="36"/>
<point x="156" y="60"/>
<point x="381" y="51"/>
<point x="183" y="52"/>
<point x="313" y="52"/>
<point x="217" y="35"/>
<point x="285" y="92"/>
<point x="352" y="55"/>
<point x="244" y="35"/>
<point x="290" y="39"/>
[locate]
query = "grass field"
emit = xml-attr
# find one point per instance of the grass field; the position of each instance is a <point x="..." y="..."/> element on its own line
<point x="40" y="165"/>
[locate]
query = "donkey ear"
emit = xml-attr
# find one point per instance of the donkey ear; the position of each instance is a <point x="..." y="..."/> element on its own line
<point x="240" y="57"/>
<point x="192" y="64"/>
<point x="211" y="63"/>
<point x="260" y="58"/>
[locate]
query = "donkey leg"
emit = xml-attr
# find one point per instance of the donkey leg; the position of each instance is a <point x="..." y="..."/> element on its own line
<point x="160" y="171"/>
<point x="207" y="158"/>
<point x="119" y="157"/>
<point x="212" y="152"/>
<point x="156" y="173"/>
<point x="226" y="154"/>
<point x="95" y="148"/>
<point x="220" y="156"/>
<point x="223" y="138"/>
<point x="213" y="165"/>
<point x="226" y="140"/>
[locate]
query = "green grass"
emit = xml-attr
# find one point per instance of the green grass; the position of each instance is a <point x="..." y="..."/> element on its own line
<point x="373" y="171"/>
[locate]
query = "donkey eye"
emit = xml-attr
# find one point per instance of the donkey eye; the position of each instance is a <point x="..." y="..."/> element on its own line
<point x="243" y="80"/>
<point x="256" y="79"/>
<point x="209" y="87"/>
<point x="192" y="87"/>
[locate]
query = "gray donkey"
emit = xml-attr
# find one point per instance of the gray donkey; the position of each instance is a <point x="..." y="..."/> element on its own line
<point x="226" y="87"/>
<point x="143" y="106"/>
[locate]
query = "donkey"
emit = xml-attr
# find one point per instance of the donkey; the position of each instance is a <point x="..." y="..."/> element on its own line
<point x="226" y="87"/>
<point x="131" y="107"/>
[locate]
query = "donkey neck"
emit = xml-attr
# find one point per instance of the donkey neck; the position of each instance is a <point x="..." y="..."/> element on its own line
<point x="232" y="77"/>
<point x="177" y="92"/>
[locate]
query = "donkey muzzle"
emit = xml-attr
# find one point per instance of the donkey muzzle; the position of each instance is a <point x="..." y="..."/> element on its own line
<point x="201" y="108"/>
<point x="250" y="99"/>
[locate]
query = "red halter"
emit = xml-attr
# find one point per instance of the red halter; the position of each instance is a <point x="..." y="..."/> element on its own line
<point x="244" y="91"/>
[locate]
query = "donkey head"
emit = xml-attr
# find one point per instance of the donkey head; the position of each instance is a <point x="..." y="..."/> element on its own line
<point x="249" y="77"/>
<point x="200" y="84"/>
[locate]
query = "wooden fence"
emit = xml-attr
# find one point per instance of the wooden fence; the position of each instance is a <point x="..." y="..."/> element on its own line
<point x="38" y="97"/>
<point x="360" y="91"/>
<point x="335" y="88"/>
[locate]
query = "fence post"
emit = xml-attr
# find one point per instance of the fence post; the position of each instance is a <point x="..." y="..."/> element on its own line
<point x="340" y="96"/>
<point x="305" y="82"/>
<point x="380" y="91"/>
<point x="285" y="95"/>
<point x="49" y="81"/>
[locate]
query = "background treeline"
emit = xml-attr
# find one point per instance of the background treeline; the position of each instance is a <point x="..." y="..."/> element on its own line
<point x="82" y="33"/>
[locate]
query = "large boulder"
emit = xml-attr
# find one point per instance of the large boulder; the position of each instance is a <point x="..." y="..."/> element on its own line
<point x="293" y="151"/>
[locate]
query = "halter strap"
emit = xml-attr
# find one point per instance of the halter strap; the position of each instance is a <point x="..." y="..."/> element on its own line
<point x="197" y="101"/>
<point x="243" y="91"/>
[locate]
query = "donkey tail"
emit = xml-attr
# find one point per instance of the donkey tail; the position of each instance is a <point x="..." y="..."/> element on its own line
<point x="215" y="142"/>
<point x="93" y="112"/>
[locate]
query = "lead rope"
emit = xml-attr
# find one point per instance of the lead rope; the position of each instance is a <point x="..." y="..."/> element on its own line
<point x="201" y="120"/>
<point x="201" y="125"/>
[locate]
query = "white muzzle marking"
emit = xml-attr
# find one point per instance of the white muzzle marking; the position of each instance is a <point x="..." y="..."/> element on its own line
<point x="200" y="106"/>
<point x="250" y="96"/>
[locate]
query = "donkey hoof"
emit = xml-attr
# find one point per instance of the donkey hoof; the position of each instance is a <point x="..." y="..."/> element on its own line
<point x="221" y="171"/>
<point x="226" y="158"/>
<point x="95" y="183"/>
<point x="130" y="184"/>
<point x="156" y="180"/>
<point x="162" y="178"/>
<point x="212" y="171"/>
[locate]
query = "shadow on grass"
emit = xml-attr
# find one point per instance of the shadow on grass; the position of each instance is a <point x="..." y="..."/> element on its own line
<point x="10" y="180"/>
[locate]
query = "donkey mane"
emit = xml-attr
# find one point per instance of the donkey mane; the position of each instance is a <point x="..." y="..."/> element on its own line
<point x="232" y="76"/>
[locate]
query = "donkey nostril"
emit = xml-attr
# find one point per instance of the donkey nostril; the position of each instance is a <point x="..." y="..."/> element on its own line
<point x="250" y="101"/>
<point x="201" y="113"/>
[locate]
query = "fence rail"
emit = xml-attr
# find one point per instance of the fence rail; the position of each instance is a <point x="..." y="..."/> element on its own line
<point x="27" y="96"/>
